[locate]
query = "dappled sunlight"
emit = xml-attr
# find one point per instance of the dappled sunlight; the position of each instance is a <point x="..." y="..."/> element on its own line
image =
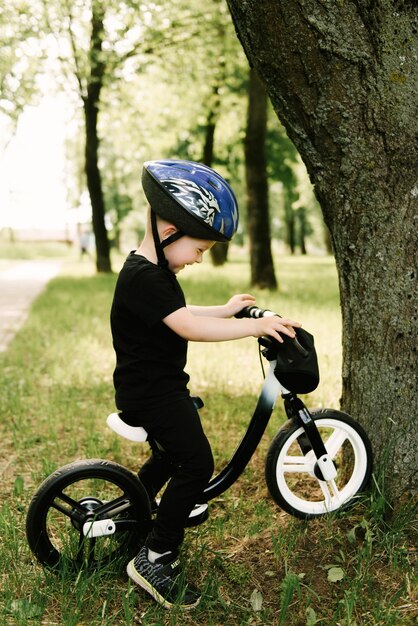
<point x="86" y="362"/>
<point x="231" y="367"/>
<point x="308" y="292"/>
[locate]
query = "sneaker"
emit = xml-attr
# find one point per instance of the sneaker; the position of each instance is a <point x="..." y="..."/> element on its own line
<point x="163" y="580"/>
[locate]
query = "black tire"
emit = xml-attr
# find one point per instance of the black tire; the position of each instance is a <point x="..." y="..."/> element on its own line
<point x="293" y="484"/>
<point x="87" y="490"/>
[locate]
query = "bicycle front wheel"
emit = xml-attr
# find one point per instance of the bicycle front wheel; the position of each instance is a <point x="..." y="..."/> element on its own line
<point x="80" y="497"/>
<point x="293" y="478"/>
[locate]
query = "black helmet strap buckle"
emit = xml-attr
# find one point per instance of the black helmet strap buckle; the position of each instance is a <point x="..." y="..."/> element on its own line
<point x="160" y="245"/>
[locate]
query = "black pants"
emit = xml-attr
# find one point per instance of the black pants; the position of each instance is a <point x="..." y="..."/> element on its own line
<point x="186" y="462"/>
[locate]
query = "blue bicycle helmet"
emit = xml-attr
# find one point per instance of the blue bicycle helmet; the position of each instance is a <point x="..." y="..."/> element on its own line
<point x="193" y="197"/>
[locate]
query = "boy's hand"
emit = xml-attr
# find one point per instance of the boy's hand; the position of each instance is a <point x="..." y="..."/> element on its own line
<point x="273" y="326"/>
<point x="238" y="302"/>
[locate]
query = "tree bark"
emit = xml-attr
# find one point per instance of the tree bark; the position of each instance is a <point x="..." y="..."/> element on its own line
<point x="91" y="110"/>
<point x="258" y="218"/>
<point x="94" y="185"/>
<point x="342" y="78"/>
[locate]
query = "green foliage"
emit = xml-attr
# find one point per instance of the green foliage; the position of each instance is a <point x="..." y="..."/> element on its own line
<point x="21" y="56"/>
<point x="14" y="250"/>
<point x="158" y="75"/>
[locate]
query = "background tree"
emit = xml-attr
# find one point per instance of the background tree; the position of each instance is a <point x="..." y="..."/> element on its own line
<point x="307" y="212"/>
<point x="90" y="87"/>
<point x="282" y="159"/>
<point x="195" y="86"/>
<point x="165" y="80"/>
<point x="103" y="41"/>
<point x="342" y="77"/>
<point x="258" y="215"/>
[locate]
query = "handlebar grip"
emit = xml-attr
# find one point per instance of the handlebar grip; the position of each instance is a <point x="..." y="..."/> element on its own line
<point x="255" y="312"/>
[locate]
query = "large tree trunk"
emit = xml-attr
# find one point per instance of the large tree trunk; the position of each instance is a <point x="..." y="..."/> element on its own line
<point x="258" y="218"/>
<point x="342" y="77"/>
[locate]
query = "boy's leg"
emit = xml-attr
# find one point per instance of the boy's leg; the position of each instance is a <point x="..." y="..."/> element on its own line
<point x="158" y="469"/>
<point x="178" y="429"/>
<point x="155" y="472"/>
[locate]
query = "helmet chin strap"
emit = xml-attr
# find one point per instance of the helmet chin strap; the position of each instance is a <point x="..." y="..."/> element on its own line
<point x="160" y="245"/>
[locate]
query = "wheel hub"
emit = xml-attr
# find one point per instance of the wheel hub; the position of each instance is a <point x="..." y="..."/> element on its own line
<point x="90" y="504"/>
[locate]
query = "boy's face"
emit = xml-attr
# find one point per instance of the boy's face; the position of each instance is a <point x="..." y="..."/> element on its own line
<point x="186" y="251"/>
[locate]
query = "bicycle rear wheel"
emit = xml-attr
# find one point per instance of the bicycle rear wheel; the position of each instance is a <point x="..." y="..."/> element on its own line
<point x="86" y="492"/>
<point x="293" y="478"/>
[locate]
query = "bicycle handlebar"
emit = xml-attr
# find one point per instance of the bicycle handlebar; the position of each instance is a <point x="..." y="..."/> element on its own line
<point x="256" y="312"/>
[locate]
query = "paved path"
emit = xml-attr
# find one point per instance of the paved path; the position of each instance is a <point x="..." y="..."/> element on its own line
<point x="19" y="286"/>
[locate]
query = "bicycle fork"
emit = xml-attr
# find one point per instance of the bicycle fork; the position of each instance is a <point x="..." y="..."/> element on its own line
<point x="324" y="468"/>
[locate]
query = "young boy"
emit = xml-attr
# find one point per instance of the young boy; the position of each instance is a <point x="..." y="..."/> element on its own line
<point x="191" y="207"/>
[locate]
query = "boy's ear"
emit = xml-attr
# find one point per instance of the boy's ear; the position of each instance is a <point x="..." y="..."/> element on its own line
<point x="168" y="230"/>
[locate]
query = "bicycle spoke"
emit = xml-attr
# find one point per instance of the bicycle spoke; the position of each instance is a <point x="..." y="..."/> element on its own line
<point x="330" y="491"/>
<point x="114" y="507"/>
<point x="335" y="441"/>
<point x="80" y="550"/>
<point x="327" y="494"/>
<point x="297" y="464"/>
<point x="336" y="491"/>
<point x="91" y="544"/>
<point x="76" y="507"/>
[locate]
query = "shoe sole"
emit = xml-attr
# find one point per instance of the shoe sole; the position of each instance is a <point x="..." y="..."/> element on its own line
<point x="144" y="584"/>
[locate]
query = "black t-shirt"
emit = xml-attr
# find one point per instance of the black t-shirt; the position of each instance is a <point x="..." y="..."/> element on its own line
<point x="150" y="358"/>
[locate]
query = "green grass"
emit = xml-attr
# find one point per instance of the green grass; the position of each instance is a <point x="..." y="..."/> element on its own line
<point x="255" y="564"/>
<point x="25" y="251"/>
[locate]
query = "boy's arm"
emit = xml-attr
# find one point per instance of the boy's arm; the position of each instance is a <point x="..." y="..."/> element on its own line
<point x="233" y="306"/>
<point x="198" y="328"/>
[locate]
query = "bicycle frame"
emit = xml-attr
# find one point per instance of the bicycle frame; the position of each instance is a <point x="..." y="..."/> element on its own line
<point x="295" y="410"/>
<point x="261" y="416"/>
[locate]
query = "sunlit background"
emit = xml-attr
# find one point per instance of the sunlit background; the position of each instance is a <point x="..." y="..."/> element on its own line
<point x="33" y="192"/>
<point x="156" y="103"/>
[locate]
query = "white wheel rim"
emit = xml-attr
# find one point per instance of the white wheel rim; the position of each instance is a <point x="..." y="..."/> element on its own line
<point x="333" y="496"/>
